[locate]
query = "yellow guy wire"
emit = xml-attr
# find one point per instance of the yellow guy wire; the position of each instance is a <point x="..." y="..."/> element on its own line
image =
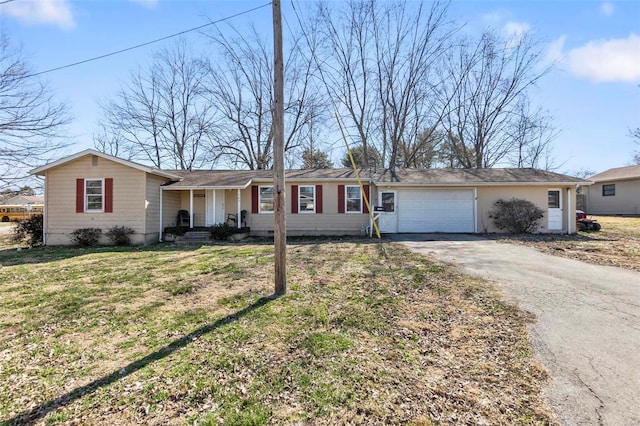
<point x="355" y="170"/>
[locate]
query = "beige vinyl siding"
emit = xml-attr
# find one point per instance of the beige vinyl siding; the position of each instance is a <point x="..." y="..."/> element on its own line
<point x="625" y="202"/>
<point x="231" y="203"/>
<point x="329" y="222"/>
<point x="171" y="203"/>
<point x="152" y="214"/>
<point x="487" y="196"/>
<point x="128" y="200"/>
<point x="199" y="207"/>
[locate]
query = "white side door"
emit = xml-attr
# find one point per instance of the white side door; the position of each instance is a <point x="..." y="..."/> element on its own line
<point x="388" y="220"/>
<point x="554" y="212"/>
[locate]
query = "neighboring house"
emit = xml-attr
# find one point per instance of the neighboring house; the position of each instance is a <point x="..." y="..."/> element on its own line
<point x="615" y="192"/>
<point x="92" y="189"/>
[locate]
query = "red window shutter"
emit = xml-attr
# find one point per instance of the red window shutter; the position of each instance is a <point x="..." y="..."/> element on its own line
<point x="318" y="198"/>
<point x="254" y="199"/>
<point x="79" y="195"/>
<point x="294" y="199"/>
<point x="365" y="194"/>
<point x="340" y="198"/>
<point x="108" y="195"/>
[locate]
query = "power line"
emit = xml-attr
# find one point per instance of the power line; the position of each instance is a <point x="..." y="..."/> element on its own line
<point x="137" y="46"/>
<point x="6" y="1"/>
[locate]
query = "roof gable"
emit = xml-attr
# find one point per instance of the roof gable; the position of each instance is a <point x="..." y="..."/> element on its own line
<point x="152" y="170"/>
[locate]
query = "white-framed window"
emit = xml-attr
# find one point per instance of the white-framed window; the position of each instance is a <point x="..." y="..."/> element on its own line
<point x="353" y="198"/>
<point x="307" y="199"/>
<point x="266" y="200"/>
<point x="94" y="195"/>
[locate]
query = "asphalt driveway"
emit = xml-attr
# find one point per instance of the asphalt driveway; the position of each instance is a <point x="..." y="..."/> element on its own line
<point x="588" y="328"/>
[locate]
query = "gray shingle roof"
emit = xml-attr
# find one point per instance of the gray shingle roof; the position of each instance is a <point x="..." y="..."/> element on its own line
<point x="426" y="177"/>
<point x="473" y="176"/>
<point x="618" y="173"/>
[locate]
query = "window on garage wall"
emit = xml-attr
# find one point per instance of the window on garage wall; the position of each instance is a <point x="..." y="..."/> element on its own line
<point x="609" y="190"/>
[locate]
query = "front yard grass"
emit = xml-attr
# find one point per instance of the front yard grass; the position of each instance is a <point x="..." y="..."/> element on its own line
<point x="368" y="333"/>
<point x="616" y="244"/>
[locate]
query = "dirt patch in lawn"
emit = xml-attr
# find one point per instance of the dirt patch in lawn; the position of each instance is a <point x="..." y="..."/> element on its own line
<point x="616" y="244"/>
<point x="368" y="333"/>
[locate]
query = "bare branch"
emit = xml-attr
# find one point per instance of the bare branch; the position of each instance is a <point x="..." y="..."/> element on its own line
<point x="31" y="121"/>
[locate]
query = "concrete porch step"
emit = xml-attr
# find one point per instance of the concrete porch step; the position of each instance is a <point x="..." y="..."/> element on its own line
<point x="196" y="236"/>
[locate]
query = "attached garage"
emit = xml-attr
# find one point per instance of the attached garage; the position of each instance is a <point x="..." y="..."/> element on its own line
<point x="436" y="210"/>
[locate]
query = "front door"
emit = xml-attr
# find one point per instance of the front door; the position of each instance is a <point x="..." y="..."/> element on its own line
<point x="388" y="220"/>
<point x="199" y="208"/>
<point x="215" y="206"/>
<point x="554" y="213"/>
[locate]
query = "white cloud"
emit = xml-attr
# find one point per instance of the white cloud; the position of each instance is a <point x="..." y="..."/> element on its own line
<point x="607" y="60"/>
<point x="56" y="12"/>
<point x="607" y="8"/>
<point x="515" y="30"/>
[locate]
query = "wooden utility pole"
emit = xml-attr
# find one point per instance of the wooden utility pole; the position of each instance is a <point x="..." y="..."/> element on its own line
<point x="280" y="224"/>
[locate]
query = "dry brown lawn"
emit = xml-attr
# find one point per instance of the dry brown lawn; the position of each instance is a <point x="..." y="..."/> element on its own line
<point x="616" y="244"/>
<point x="368" y="333"/>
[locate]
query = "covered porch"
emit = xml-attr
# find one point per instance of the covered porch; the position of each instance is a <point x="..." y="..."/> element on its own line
<point x="201" y="207"/>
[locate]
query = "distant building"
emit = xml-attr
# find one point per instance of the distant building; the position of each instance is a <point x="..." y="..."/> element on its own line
<point x="615" y="192"/>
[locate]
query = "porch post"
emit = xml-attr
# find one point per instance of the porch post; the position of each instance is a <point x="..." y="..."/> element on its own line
<point x="238" y="210"/>
<point x="213" y="206"/>
<point x="569" y="221"/>
<point x="191" y="208"/>
<point x="160" y="230"/>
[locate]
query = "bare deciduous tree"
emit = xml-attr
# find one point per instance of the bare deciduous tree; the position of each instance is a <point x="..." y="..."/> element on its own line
<point x="532" y="134"/>
<point x="486" y="82"/>
<point x="163" y="114"/>
<point x="635" y="135"/>
<point x="423" y="153"/>
<point x="31" y="121"/>
<point x="381" y="58"/>
<point x="241" y="88"/>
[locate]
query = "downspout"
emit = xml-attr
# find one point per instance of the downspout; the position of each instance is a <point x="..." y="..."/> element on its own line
<point x="161" y="228"/>
<point x="191" y="209"/>
<point x="475" y="209"/>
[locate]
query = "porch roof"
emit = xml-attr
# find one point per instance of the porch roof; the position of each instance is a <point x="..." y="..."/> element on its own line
<point x="212" y="179"/>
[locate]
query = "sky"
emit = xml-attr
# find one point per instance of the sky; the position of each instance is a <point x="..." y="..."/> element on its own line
<point x="593" y="92"/>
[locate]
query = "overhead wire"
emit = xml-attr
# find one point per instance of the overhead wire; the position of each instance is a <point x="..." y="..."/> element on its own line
<point x="137" y="46"/>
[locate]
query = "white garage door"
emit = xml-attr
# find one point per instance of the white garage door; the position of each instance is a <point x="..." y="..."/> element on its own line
<point x="436" y="210"/>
